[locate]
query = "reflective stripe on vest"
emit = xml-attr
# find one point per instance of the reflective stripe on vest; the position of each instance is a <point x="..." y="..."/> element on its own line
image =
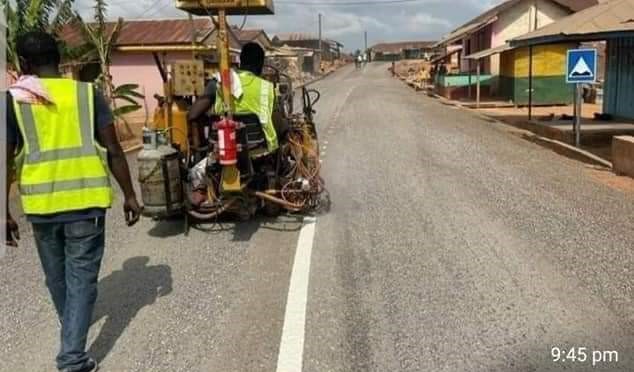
<point x="265" y="93"/>
<point x="61" y="168"/>
<point x="85" y="116"/>
<point x="258" y="98"/>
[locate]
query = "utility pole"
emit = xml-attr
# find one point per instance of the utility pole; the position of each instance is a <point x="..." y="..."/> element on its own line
<point x="366" y="46"/>
<point x="320" y="42"/>
<point x="366" y="41"/>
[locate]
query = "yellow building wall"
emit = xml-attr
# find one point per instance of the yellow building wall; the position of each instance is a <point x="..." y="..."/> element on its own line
<point x="548" y="60"/>
<point x="549" y="75"/>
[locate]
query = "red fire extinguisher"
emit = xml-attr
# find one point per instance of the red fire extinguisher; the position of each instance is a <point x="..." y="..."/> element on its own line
<point x="227" y="144"/>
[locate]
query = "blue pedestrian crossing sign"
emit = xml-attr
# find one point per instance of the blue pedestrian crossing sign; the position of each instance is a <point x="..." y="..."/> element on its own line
<point x="582" y="66"/>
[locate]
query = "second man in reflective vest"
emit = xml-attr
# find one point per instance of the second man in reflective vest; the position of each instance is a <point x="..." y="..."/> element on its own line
<point x="62" y="142"/>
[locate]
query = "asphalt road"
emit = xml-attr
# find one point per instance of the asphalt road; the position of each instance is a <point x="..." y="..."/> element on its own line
<point x="452" y="245"/>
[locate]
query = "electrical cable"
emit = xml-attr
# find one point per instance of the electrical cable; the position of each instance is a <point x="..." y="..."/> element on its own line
<point x="152" y="10"/>
<point x="347" y="3"/>
<point x="246" y="14"/>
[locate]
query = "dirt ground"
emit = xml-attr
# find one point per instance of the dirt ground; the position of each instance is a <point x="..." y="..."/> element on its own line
<point x="518" y="115"/>
<point x="415" y="70"/>
<point x="603" y="176"/>
<point x="606" y="177"/>
<point x="515" y="115"/>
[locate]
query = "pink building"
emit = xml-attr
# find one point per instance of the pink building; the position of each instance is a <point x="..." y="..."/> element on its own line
<point x="141" y="43"/>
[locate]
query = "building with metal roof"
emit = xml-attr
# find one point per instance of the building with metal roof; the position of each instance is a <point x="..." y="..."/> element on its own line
<point x="612" y="21"/>
<point x="254" y="35"/>
<point x="402" y="50"/>
<point x="483" y="40"/>
<point x="330" y="49"/>
<point x="138" y="47"/>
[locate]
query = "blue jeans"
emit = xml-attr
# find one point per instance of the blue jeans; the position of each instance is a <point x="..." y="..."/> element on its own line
<point x="71" y="256"/>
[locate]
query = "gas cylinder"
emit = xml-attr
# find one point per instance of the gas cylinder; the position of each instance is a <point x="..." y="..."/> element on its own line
<point x="227" y="144"/>
<point x="159" y="176"/>
<point x="179" y="130"/>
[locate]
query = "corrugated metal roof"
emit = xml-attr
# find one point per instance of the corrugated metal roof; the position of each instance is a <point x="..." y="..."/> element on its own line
<point x="398" y="47"/>
<point x="248" y="35"/>
<point x="303" y="36"/>
<point x="577" y="5"/>
<point x="296" y="36"/>
<point x="460" y="32"/>
<point x="491" y="15"/>
<point x="489" y="52"/>
<point x="450" y="51"/>
<point x="148" y="32"/>
<point x="595" y="23"/>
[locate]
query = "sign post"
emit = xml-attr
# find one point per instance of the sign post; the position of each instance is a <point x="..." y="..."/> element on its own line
<point x="581" y="68"/>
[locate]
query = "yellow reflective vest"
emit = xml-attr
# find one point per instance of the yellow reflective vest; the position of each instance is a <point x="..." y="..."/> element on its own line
<point x="258" y="97"/>
<point x="61" y="168"/>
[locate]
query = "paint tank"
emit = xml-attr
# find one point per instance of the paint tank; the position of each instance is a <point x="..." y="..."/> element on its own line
<point x="159" y="176"/>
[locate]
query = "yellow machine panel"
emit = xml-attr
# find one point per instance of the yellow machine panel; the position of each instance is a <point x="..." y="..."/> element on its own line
<point x="232" y="7"/>
<point x="188" y="78"/>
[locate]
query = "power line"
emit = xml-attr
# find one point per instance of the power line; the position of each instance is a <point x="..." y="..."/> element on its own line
<point x="346" y="3"/>
<point x="155" y="10"/>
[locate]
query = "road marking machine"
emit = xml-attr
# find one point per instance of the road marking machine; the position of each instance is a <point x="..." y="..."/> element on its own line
<point x="223" y="166"/>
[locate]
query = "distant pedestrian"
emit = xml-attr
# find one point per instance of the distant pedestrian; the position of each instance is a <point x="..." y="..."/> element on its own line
<point x="61" y="137"/>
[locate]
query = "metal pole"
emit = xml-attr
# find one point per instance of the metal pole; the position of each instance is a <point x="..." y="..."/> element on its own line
<point x="578" y="113"/>
<point x="230" y="177"/>
<point x="469" y="86"/>
<point x="225" y="62"/>
<point x="478" y="68"/>
<point x="530" y="82"/>
<point x="320" y="42"/>
<point x="366" y="41"/>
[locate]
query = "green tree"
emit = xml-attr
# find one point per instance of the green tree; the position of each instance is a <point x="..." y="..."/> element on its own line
<point x="33" y="15"/>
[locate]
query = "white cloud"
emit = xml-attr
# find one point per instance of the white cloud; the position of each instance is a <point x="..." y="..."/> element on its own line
<point x="423" y="20"/>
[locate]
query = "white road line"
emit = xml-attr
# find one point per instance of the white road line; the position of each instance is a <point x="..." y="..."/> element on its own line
<point x="291" y="354"/>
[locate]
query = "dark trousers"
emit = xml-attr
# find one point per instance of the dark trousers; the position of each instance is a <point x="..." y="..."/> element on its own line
<point x="71" y="255"/>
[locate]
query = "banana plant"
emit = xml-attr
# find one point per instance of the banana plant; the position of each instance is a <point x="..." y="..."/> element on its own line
<point x="102" y="38"/>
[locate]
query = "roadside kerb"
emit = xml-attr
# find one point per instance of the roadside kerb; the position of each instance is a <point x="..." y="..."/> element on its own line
<point x="557" y="146"/>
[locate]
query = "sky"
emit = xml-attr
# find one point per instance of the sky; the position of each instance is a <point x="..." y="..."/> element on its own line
<point x="415" y="20"/>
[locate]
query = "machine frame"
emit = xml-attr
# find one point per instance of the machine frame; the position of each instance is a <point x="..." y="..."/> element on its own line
<point x="286" y="180"/>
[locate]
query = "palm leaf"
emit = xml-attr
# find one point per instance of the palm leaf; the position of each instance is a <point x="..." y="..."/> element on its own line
<point x="12" y="30"/>
<point x="128" y="90"/>
<point x="124" y="110"/>
<point x="36" y="15"/>
<point x="124" y="88"/>
<point x="127" y="99"/>
<point x="100" y="15"/>
<point x="112" y="38"/>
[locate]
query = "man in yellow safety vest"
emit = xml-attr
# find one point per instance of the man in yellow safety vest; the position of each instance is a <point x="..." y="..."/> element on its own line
<point x="256" y="96"/>
<point x="61" y="140"/>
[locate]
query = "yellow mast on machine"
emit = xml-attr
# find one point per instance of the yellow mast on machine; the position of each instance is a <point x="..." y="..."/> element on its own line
<point x="223" y="8"/>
